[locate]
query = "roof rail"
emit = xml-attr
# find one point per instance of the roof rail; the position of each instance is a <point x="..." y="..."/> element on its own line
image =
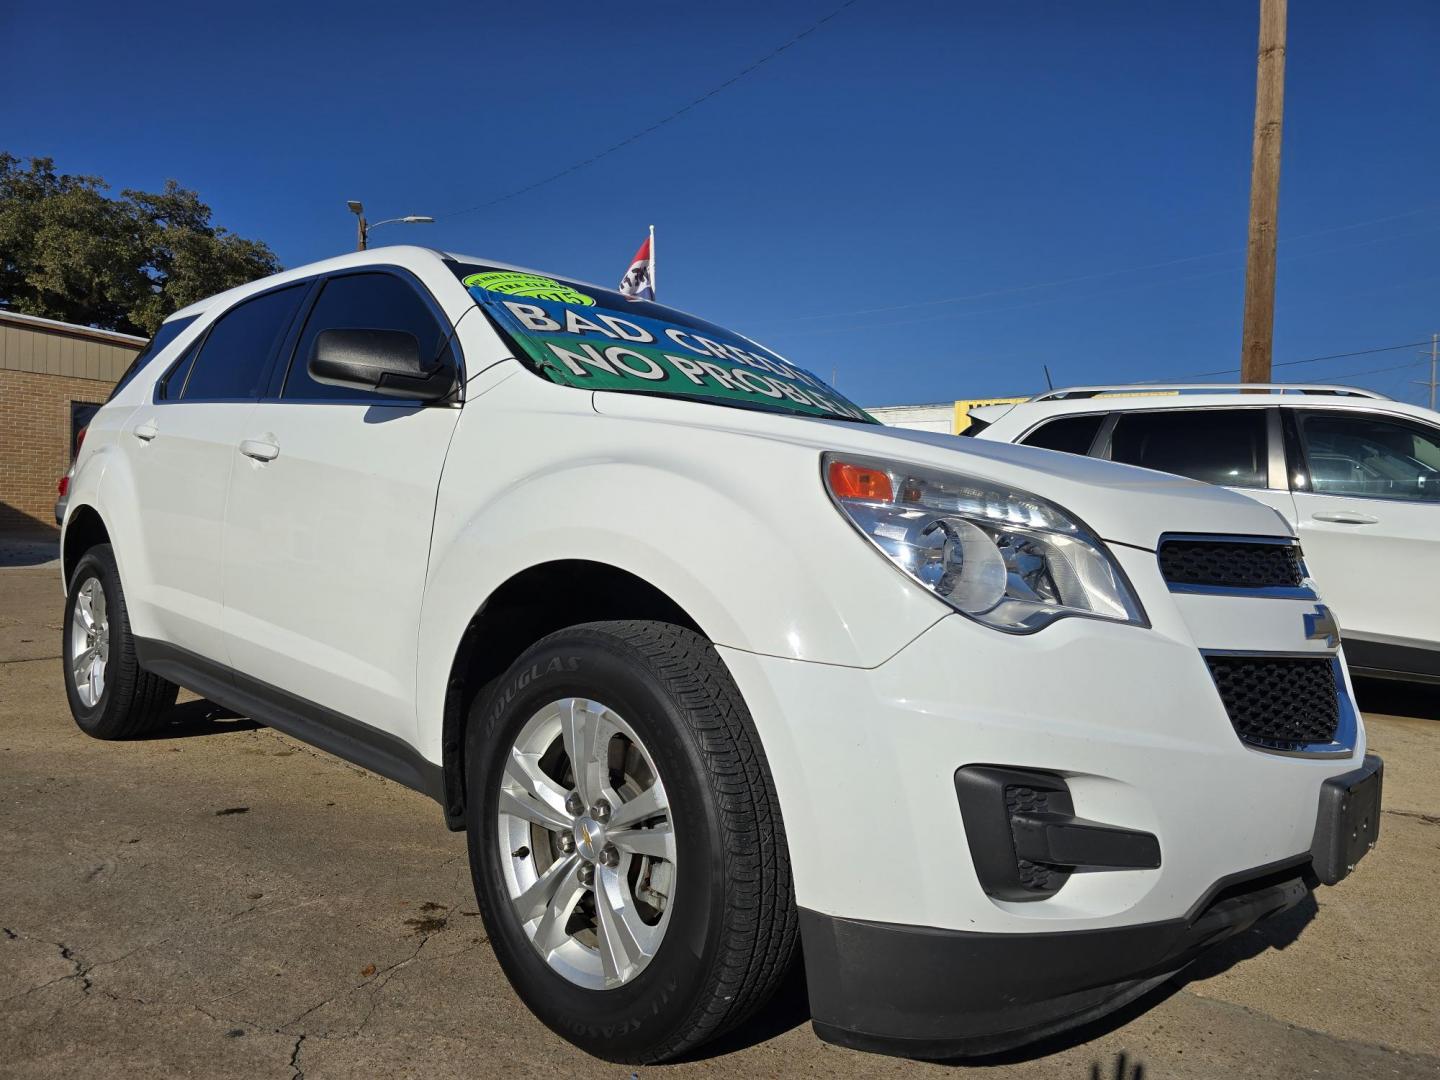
<point x="1319" y="389"/>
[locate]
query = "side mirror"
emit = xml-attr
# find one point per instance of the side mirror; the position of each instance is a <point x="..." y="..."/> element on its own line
<point x="384" y="361"/>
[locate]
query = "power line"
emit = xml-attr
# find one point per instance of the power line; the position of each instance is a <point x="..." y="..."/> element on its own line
<point x="1100" y="275"/>
<point x="1375" y="371"/>
<point x="771" y="55"/>
<point x="1293" y="363"/>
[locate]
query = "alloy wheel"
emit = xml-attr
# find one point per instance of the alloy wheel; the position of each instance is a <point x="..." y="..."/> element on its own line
<point x="587" y="846"/>
<point x="89" y="642"/>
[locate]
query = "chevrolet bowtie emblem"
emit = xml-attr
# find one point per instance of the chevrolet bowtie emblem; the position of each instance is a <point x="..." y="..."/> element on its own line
<point x="1320" y="625"/>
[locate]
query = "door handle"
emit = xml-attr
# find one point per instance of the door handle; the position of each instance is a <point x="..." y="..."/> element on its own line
<point x="1346" y="517"/>
<point x="146" y="431"/>
<point x="259" y="449"/>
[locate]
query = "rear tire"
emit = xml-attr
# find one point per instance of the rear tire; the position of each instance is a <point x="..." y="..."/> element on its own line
<point x="688" y="920"/>
<point x="111" y="696"/>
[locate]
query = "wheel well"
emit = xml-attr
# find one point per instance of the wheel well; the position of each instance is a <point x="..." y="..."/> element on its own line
<point x="83" y="530"/>
<point x="533" y="603"/>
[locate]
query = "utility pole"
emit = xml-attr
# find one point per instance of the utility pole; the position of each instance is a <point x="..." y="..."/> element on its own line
<point x="1258" y="325"/>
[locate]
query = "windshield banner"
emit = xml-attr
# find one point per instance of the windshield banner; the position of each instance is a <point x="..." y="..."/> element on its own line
<point x="576" y="342"/>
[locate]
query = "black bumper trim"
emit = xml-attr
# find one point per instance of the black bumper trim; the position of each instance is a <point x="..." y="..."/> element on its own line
<point x="931" y="993"/>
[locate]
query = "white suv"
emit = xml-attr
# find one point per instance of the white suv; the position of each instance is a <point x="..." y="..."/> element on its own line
<point x="708" y="663"/>
<point x="1355" y="474"/>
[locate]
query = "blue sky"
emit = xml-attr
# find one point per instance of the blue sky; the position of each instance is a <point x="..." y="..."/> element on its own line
<point x="930" y="199"/>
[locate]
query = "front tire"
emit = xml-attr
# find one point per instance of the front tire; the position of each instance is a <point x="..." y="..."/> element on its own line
<point x="111" y="696"/>
<point x="626" y="842"/>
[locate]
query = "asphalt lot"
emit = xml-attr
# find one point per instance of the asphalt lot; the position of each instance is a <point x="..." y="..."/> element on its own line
<point x="222" y="901"/>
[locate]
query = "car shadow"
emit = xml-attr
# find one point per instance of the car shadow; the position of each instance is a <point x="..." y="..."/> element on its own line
<point x="1392" y="698"/>
<point x="201" y="717"/>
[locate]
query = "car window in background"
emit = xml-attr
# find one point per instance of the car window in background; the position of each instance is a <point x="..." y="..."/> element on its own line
<point x="234" y="359"/>
<point x="167" y="333"/>
<point x="1218" y="446"/>
<point x="1370" y="457"/>
<point x="375" y="301"/>
<point x="1071" y="434"/>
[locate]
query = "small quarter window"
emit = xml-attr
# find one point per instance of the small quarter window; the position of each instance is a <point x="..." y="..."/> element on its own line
<point x="167" y="333"/>
<point x="1070" y="434"/>
<point x="1218" y="446"/>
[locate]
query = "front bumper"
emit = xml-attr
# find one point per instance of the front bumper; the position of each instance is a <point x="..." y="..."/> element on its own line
<point x="929" y="993"/>
<point x="909" y="946"/>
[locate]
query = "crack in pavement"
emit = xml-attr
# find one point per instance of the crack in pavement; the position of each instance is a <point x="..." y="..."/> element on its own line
<point x="1427" y="819"/>
<point x="81" y="972"/>
<point x="296" y="1072"/>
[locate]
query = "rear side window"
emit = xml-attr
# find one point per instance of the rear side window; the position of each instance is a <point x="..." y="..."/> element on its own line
<point x="167" y="333"/>
<point x="361" y="302"/>
<point x="1371" y="457"/>
<point x="1071" y="434"/>
<point x="1219" y="446"/>
<point x="234" y="359"/>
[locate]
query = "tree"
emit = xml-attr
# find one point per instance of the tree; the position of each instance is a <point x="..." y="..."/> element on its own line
<point x="69" y="251"/>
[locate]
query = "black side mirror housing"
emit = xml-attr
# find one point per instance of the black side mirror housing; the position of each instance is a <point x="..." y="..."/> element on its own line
<point x="383" y="361"/>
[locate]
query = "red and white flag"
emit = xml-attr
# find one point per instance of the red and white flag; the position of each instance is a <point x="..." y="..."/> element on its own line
<point x="639" y="281"/>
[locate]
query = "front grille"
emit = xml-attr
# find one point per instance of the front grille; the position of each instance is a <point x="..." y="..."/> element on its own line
<point x="1278" y="701"/>
<point x="1231" y="564"/>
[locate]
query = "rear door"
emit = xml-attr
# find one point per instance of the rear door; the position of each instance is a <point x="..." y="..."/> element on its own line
<point x="1367" y="490"/>
<point x="182" y="447"/>
<point x="330" y="515"/>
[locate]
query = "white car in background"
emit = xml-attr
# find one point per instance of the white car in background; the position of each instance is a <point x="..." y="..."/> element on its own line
<point x="1355" y="474"/>
<point x="708" y="663"/>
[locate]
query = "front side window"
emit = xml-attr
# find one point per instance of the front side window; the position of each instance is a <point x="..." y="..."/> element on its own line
<point x="1218" y="446"/>
<point x="1070" y="434"/>
<point x="595" y="339"/>
<point x="1371" y="457"/>
<point x="167" y="333"/>
<point x="234" y="359"/>
<point x="371" y="301"/>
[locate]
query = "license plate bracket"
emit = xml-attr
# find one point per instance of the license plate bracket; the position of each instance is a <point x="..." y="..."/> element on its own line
<point x="1348" y="822"/>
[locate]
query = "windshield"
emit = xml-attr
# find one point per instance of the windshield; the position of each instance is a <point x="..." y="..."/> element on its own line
<point x="596" y="339"/>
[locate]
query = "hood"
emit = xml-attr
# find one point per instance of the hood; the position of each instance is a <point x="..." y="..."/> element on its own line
<point x="1119" y="503"/>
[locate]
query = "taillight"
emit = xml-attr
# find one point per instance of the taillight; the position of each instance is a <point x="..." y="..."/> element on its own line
<point x="64" y="486"/>
<point x="80" y="438"/>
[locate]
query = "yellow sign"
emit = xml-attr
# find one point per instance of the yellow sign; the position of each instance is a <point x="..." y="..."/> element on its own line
<point x="962" y="409"/>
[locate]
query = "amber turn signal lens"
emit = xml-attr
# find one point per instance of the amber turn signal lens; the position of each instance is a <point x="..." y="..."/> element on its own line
<point x="849" y="481"/>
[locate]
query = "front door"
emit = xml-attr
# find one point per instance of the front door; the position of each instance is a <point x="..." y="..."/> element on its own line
<point x="329" y="520"/>
<point x="1367" y="494"/>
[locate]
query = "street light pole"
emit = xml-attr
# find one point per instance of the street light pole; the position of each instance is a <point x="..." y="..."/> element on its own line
<point x="361" y="228"/>
<point x="364" y="227"/>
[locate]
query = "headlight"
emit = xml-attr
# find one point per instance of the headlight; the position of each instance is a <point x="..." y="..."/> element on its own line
<point x="1005" y="558"/>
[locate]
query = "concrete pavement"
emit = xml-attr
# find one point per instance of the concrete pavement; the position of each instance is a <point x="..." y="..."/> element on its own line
<point x="222" y="901"/>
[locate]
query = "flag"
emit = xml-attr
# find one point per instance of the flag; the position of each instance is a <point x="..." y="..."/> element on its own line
<point x="639" y="281"/>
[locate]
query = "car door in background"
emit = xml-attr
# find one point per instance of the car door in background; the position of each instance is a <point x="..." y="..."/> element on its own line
<point x="1367" y="493"/>
<point x="182" y="447"/>
<point x="329" y="520"/>
<point x="1238" y="448"/>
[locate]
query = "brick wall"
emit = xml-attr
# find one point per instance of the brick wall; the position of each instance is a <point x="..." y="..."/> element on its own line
<point x="35" y="442"/>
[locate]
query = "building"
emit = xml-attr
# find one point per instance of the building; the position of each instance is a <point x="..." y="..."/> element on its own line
<point x="53" y="376"/>
<point x="947" y="417"/>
